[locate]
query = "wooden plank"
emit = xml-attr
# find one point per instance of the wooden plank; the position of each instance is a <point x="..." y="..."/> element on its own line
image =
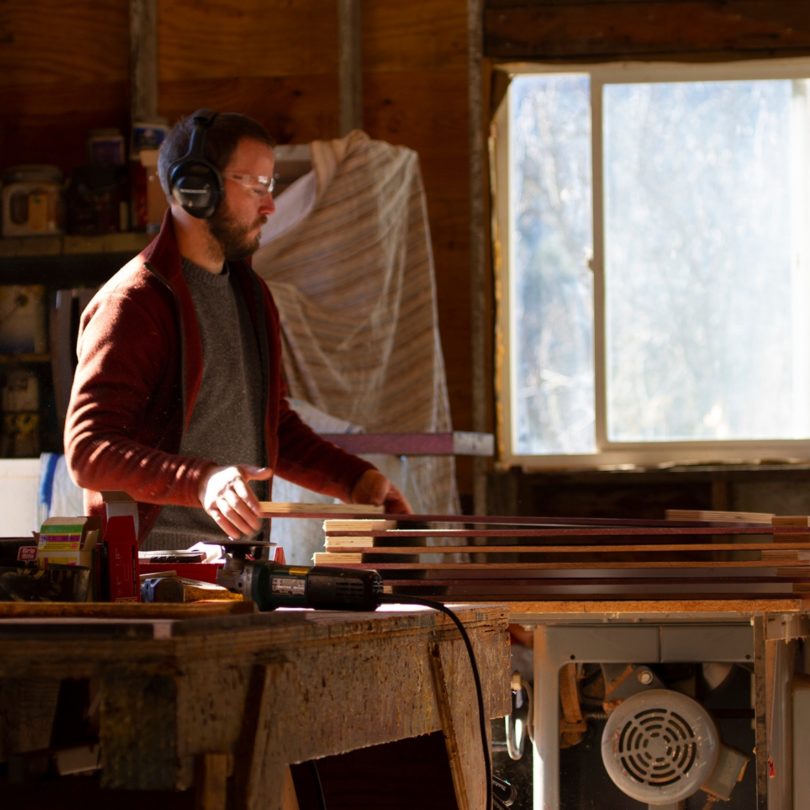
<point x="347" y="525"/>
<point x="143" y="59"/>
<point x="281" y="509"/>
<point x="304" y="107"/>
<point x="417" y="35"/>
<point x="426" y="107"/>
<point x="573" y="533"/>
<point x="616" y="566"/>
<point x="560" y="523"/>
<point x="625" y="29"/>
<point x="657" y="607"/>
<point x="91" y="48"/>
<point x="719" y="516"/>
<point x="455" y="593"/>
<point x="481" y="312"/>
<point x="416" y="444"/>
<point x="211" y="781"/>
<point x="350" y="65"/>
<point x="627" y="548"/>
<point x="251" y="38"/>
<point x="455" y="443"/>
<point x="452" y="736"/>
<point x="123" y="610"/>
<point x="550" y="579"/>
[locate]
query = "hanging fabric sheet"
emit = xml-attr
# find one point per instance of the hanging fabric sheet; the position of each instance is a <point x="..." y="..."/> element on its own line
<point x="348" y="259"/>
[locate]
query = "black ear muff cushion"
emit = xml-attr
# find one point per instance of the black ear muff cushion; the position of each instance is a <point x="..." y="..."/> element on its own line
<point x="195" y="182"/>
<point x="197" y="186"/>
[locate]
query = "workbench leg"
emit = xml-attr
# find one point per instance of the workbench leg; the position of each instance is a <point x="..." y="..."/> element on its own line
<point x="779" y="666"/>
<point x="462" y="776"/>
<point x="139" y="747"/>
<point x="260" y="772"/>
<point x="546" y="721"/>
<point x="760" y="713"/>
<point x="211" y="781"/>
<point x="27" y="711"/>
<point x="289" y="798"/>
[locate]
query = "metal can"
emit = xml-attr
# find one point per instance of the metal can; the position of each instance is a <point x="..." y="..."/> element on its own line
<point x="105" y="147"/>
<point x="32" y="201"/>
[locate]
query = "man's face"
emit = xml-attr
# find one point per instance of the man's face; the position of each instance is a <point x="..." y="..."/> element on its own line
<point x="247" y="203"/>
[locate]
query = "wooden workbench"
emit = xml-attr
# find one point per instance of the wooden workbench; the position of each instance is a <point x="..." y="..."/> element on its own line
<point x="225" y="703"/>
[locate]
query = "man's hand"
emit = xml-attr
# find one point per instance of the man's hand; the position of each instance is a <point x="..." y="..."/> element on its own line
<point x="374" y="488"/>
<point x="226" y="496"/>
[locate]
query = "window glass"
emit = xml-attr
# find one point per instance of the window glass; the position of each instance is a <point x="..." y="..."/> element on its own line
<point x="699" y="254"/>
<point x="551" y="290"/>
<point x="656" y="287"/>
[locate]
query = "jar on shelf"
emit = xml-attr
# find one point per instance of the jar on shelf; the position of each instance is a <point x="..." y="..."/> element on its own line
<point x="32" y="201"/>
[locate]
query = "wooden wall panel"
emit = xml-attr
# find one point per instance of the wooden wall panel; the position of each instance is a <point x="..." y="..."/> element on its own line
<point x="64" y="69"/>
<point x="246" y="38"/>
<point x="48" y="123"/>
<point x="295" y="109"/>
<point x="49" y="42"/>
<point x="415" y="88"/>
<point x="414" y="35"/>
<point x="636" y="29"/>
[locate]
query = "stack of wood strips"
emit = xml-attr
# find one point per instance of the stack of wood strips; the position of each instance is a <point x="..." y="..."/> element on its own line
<point x="687" y="555"/>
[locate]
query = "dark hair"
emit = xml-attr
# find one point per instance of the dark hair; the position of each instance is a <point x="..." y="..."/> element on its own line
<point x="221" y="138"/>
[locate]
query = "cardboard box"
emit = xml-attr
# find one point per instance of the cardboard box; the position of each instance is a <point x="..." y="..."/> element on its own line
<point x="68" y="541"/>
<point x="121" y="546"/>
<point x="122" y="559"/>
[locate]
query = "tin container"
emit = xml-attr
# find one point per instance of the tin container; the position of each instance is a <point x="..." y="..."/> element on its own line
<point x="147" y="135"/>
<point x="32" y="201"/>
<point x="105" y="147"/>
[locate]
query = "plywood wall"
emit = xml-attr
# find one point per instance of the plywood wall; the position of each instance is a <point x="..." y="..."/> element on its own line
<point x="64" y="69"/>
<point x="645" y="29"/>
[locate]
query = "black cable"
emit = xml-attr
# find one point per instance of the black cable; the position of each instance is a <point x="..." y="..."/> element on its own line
<point x="317" y="784"/>
<point x="479" y="692"/>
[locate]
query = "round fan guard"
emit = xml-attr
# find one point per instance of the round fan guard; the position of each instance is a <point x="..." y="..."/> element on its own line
<point x="660" y="746"/>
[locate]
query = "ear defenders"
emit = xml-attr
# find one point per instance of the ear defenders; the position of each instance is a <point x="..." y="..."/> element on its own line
<point x="194" y="182"/>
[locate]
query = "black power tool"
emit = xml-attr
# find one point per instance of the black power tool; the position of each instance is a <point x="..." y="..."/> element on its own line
<point x="272" y="585"/>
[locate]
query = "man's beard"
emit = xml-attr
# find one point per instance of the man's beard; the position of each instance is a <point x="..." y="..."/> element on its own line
<point x="233" y="237"/>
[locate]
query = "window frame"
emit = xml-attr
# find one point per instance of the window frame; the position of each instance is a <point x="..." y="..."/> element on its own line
<point x="608" y="453"/>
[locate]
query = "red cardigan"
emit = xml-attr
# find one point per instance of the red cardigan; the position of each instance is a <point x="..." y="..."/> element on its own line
<point x="136" y="383"/>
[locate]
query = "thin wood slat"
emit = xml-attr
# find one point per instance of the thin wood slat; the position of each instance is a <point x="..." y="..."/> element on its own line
<point x="319" y="510"/>
<point x="556" y="532"/>
<point x="568" y="549"/>
<point x="470" y="594"/>
<point x="457" y="443"/>
<point x="640" y="558"/>
<point x="618" y="565"/>
<point x="358" y="511"/>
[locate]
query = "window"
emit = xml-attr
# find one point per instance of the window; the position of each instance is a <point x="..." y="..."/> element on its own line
<point x="654" y="288"/>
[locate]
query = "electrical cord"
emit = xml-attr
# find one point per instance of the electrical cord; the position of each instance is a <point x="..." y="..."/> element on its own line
<point x="317" y="784"/>
<point x="500" y="794"/>
<point x="492" y="803"/>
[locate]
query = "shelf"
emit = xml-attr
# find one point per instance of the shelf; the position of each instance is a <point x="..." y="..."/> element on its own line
<point x="24" y="358"/>
<point x="458" y="443"/>
<point x="67" y="261"/>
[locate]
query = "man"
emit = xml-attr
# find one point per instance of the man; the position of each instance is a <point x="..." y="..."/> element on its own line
<point x="178" y="398"/>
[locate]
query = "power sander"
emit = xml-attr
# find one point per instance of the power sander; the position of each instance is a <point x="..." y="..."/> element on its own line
<point x="273" y="585"/>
